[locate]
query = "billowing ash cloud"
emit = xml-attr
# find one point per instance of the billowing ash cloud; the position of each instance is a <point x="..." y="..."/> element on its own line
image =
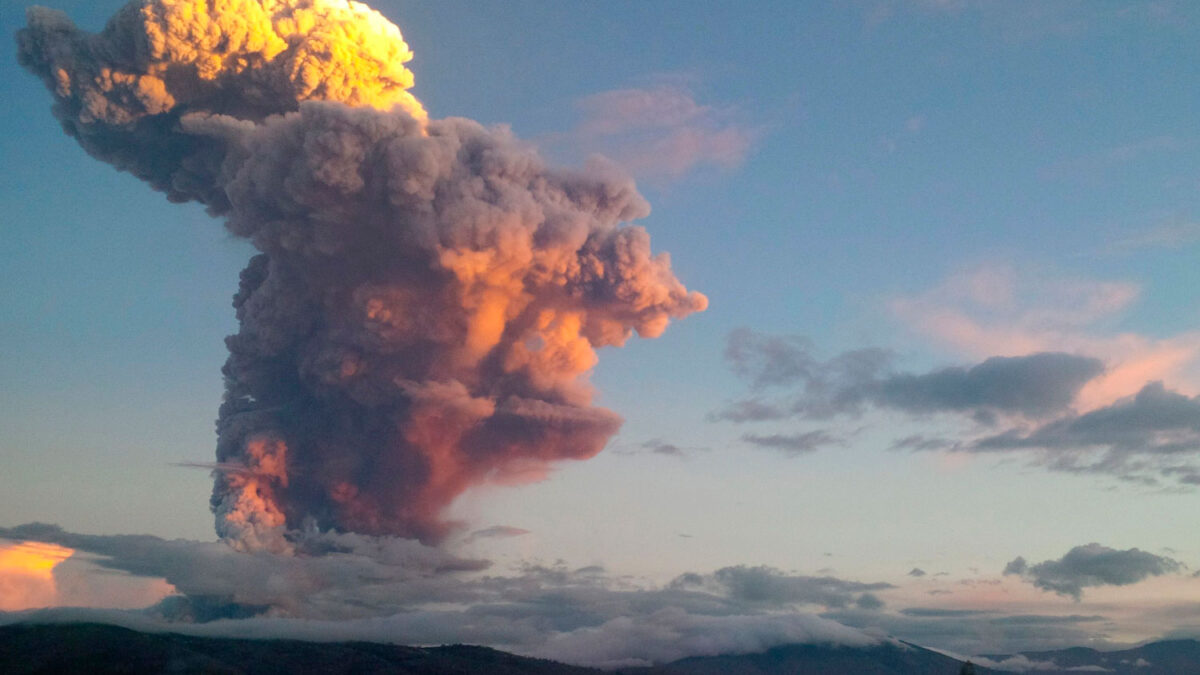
<point x="1035" y="385"/>
<point x="429" y="295"/>
<point x="1092" y="565"/>
<point x="122" y="93"/>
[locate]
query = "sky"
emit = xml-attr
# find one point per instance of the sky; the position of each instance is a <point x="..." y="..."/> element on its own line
<point x="950" y="350"/>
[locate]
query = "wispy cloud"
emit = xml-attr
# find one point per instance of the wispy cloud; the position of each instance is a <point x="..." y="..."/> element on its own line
<point x="975" y="631"/>
<point x="1144" y="438"/>
<point x="793" y="444"/>
<point x="1057" y="386"/>
<point x="1170" y="235"/>
<point x="659" y="446"/>
<point x="911" y="127"/>
<point x="1136" y="420"/>
<point x="1033" y="386"/>
<point x="997" y="309"/>
<point x="661" y="132"/>
<point x="497" y="532"/>
<point x="1020" y="23"/>
<point x="1113" y="157"/>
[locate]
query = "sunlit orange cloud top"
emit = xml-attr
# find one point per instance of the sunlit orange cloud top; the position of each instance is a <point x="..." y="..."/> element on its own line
<point x="27" y="574"/>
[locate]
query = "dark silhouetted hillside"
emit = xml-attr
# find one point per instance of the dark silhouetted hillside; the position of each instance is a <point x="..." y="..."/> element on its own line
<point x="104" y="649"/>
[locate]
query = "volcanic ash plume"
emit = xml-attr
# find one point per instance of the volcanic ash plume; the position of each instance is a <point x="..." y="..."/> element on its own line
<point x="429" y="295"/>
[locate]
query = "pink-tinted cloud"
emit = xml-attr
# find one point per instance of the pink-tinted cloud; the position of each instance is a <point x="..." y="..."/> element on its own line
<point x="991" y="310"/>
<point x="662" y="132"/>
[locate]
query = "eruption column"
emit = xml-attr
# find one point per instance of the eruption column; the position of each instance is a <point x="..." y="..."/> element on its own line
<point x="428" y="296"/>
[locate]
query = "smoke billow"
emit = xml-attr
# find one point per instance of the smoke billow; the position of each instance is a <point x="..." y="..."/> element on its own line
<point x="428" y="296"/>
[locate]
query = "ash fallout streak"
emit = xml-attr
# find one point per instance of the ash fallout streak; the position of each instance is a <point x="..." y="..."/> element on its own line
<point x="428" y="296"/>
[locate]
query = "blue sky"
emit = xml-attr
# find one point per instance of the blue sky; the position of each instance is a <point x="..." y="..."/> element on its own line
<point x="945" y="181"/>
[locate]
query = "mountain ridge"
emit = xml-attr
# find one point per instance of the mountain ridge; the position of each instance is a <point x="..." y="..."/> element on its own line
<point x="28" y="648"/>
<point x="89" y="647"/>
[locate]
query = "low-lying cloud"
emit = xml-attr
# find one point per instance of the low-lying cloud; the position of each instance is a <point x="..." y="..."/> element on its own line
<point x="767" y="586"/>
<point x="978" y="631"/>
<point x="351" y="586"/>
